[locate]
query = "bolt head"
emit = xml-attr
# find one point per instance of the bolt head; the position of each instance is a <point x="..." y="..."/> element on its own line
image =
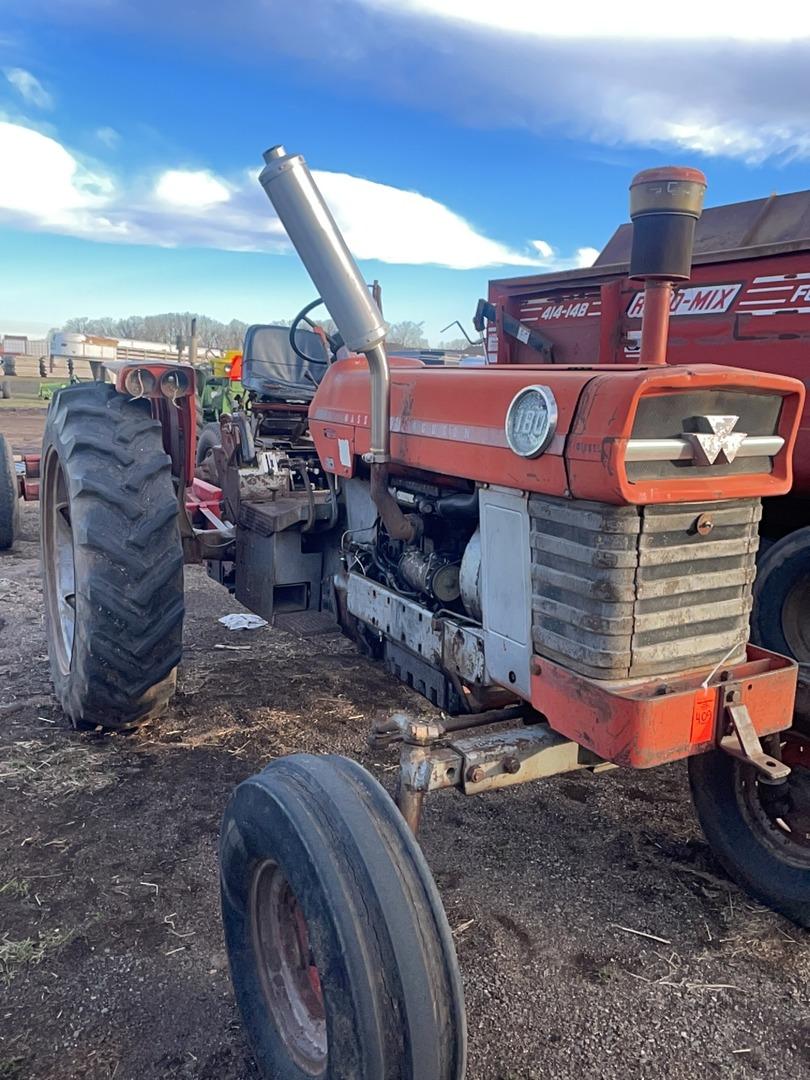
<point x="704" y="524"/>
<point x="475" y="774"/>
<point x="418" y="732"/>
<point x="511" y="764"/>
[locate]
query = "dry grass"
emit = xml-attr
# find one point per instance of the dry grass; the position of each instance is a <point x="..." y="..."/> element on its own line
<point x="15" y="889"/>
<point x="54" y="769"/>
<point x="28" y="952"/>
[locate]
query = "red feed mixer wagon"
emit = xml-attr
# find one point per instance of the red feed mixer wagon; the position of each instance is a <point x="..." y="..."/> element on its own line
<point x="557" y="550"/>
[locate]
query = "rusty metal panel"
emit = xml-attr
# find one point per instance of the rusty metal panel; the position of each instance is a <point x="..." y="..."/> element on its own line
<point x="441" y="643"/>
<point x="648" y="722"/>
<point x="516" y="756"/>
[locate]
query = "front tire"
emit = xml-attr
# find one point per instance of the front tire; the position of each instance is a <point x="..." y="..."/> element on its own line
<point x="341" y="957"/>
<point x="9" y="497"/>
<point x="759" y="832"/>
<point x="112" y="558"/>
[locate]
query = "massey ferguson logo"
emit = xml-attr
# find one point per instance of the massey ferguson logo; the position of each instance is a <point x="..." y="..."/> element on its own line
<point x="715" y="439"/>
<point x="693" y="300"/>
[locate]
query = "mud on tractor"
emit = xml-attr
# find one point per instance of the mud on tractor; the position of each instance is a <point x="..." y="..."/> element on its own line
<point x="560" y="557"/>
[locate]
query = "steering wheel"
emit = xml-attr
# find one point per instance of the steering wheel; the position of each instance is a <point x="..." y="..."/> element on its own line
<point x="331" y="343"/>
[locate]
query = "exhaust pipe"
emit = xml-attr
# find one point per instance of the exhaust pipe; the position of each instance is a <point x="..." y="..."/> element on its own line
<point x="665" y="205"/>
<point x="310" y="226"/>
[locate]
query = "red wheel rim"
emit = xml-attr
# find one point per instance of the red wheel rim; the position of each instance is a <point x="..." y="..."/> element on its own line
<point x="289" y="976"/>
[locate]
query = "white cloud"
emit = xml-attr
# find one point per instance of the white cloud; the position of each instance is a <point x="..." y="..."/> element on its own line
<point x="704" y="78"/>
<point x="47" y="185"/>
<point x="638" y="19"/>
<point x="586" y="256"/>
<point x="700" y="78"/>
<point x="50" y="189"/>
<point x="733" y="85"/>
<point x="108" y="136"/>
<point x="396" y="226"/>
<point x="29" y="88"/>
<point x="191" y="190"/>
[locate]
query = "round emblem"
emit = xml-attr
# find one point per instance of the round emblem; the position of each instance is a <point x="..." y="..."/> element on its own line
<point x="531" y="421"/>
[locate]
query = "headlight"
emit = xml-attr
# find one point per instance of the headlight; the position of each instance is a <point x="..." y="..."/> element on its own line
<point x="531" y="421"/>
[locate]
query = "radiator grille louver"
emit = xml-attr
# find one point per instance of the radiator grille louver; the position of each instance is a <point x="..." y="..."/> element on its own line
<point x="626" y="591"/>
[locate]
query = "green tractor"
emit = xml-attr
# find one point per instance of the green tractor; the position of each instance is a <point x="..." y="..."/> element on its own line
<point x="219" y="390"/>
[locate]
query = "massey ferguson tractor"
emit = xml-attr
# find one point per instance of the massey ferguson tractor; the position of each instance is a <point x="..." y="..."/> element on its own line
<point x="560" y="556"/>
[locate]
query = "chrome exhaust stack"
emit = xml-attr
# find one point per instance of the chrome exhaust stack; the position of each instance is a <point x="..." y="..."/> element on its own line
<point x="310" y="226"/>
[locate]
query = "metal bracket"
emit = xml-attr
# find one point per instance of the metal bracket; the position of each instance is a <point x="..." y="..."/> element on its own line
<point x="376" y="457"/>
<point x="744" y="744"/>
<point x="416" y="766"/>
<point x="479" y="763"/>
<point x="487" y="312"/>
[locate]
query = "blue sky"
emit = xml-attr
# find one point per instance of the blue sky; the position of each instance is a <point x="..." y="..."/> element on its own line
<point x="454" y="142"/>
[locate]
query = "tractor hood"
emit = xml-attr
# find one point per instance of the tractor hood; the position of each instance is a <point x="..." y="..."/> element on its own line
<point x="621" y="435"/>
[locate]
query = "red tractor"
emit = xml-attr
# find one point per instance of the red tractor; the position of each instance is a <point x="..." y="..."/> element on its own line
<point x="559" y="556"/>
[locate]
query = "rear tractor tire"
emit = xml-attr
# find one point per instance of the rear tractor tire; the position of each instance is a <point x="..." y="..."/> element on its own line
<point x="341" y="957"/>
<point x="112" y="558"/>
<point x="9" y="497"/>
<point x="780" y="620"/>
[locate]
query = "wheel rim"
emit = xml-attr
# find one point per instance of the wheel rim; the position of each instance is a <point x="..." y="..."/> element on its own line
<point x="58" y="562"/>
<point x="780" y="814"/>
<point x="795" y="624"/>
<point x="287" y="971"/>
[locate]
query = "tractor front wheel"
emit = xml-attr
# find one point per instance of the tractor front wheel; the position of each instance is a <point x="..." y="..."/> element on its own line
<point x="112" y="558"/>
<point x="341" y="957"/>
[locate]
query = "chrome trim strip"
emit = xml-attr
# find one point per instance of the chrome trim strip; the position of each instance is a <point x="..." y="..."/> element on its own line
<point x="682" y="449"/>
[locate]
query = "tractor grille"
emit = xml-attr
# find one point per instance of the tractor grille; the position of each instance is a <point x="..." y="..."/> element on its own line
<point x="630" y="591"/>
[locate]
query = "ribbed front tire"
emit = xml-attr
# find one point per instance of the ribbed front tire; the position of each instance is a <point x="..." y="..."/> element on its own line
<point x="112" y="558"/>
<point x="341" y="957"/>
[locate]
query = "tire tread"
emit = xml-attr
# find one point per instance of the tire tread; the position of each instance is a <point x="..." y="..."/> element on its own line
<point x="124" y="511"/>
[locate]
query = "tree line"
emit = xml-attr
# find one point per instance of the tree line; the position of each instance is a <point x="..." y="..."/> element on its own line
<point x="172" y="327"/>
<point x="167" y="328"/>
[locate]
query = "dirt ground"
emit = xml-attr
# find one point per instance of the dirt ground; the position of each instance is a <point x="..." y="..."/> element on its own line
<point x="23" y="425"/>
<point x="111" y="956"/>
